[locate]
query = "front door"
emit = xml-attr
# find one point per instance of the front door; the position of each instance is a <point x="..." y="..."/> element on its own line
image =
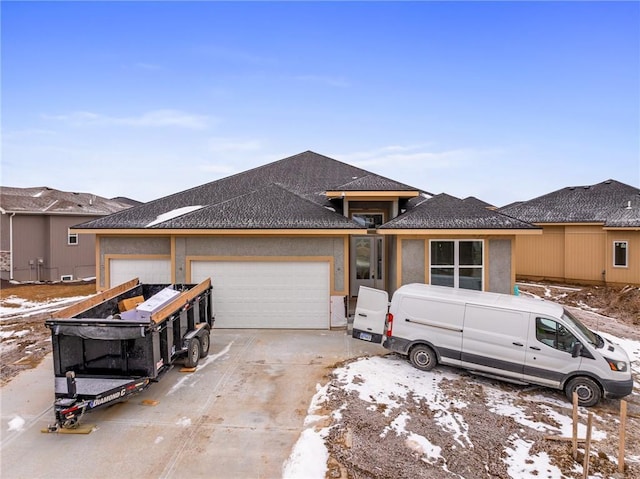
<point x="367" y="262"/>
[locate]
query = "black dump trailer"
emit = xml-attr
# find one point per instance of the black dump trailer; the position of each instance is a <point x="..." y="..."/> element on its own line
<point x="116" y="343"/>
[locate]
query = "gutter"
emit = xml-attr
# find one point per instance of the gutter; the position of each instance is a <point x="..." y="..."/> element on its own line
<point x="11" y="246"/>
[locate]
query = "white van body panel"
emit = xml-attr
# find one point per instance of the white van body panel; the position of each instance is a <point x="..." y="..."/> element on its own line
<point x="518" y="339"/>
<point x="444" y="320"/>
<point x="371" y="313"/>
<point x="495" y="340"/>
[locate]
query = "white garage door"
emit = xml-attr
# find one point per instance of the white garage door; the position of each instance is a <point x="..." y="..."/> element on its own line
<point x="264" y="294"/>
<point x="151" y="271"/>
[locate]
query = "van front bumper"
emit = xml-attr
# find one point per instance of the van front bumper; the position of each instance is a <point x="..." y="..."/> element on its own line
<point x="617" y="389"/>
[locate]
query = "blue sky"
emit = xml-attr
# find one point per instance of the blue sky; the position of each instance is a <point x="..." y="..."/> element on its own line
<point x="504" y="101"/>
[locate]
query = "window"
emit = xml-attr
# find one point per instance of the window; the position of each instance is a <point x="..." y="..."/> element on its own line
<point x="370" y="220"/>
<point x="72" y="238"/>
<point x="620" y="254"/>
<point x="456" y="263"/>
<point x="555" y="335"/>
<point x="66" y="277"/>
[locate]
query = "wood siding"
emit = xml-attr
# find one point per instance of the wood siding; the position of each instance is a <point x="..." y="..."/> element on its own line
<point x="577" y="253"/>
<point x="541" y="256"/>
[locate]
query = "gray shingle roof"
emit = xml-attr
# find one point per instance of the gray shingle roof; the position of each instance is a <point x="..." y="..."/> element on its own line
<point x="271" y="207"/>
<point x="246" y="200"/>
<point x="611" y="203"/>
<point x="373" y="182"/>
<point x="448" y="212"/>
<point x="49" y="201"/>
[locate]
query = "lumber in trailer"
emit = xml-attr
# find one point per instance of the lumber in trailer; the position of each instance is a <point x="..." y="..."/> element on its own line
<point x="89" y="303"/>
<point x="180" y="301"/>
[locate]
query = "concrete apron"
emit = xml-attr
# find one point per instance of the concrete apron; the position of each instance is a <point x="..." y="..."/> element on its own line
<point x="237" y="416"/>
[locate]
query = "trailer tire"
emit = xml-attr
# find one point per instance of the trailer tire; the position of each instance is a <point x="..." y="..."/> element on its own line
<point x="193" y="353"/>
<point x="423" y="357"/>
<point x="589" y="392"/>
<point x="205" y="342"/>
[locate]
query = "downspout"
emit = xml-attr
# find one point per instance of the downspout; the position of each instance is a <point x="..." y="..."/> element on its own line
<point x="11" y="245"/>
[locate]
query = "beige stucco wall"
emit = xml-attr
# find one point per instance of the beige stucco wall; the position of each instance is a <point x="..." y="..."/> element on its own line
<point x="181" y="248"/>
<point x="499" y="274"/>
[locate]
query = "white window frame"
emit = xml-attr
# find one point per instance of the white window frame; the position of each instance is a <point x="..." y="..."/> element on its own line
<point x="66" y="277"/>
<point x="456" y="256"/>
<point x="626" y="253"/>
<point x="72" y="238"/>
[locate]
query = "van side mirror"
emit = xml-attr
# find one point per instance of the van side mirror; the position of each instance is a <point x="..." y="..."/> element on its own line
<point x="576" y="350"/>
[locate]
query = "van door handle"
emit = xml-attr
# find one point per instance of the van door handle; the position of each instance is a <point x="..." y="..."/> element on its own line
<point x="535" y="348"/>
<point x="363" y="315"/>
<point x="518" y="344"/>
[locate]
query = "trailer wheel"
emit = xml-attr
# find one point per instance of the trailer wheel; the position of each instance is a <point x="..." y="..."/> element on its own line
<point x="205" y="342"/>
<point x="588" y="390"/>
<point x="193" y="353"/>
<point x="423" y="357"/>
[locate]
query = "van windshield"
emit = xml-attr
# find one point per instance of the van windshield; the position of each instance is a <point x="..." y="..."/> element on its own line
<point x="589" y="335"/>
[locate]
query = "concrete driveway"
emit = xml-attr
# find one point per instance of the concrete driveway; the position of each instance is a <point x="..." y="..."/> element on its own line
<point x="237" y="416"/>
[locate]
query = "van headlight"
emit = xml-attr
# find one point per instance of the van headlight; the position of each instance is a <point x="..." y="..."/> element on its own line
<point x="620" y="366"/>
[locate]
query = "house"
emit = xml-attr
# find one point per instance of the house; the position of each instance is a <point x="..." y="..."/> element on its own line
<point x="591" y="234"/>
<point x="286" y="244"/>
<point x="36" y="243"/>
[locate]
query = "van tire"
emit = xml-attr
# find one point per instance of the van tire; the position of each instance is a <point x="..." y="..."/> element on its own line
<point x="423" y="357"/>
<point x="589" y="392"/>
<point x="193" y="353"/>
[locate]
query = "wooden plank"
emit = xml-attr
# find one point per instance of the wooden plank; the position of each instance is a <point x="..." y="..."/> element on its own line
<point x="180" y="301"/>
<point x="574" y="444"/>
<point x="587" y="448"/>
<point x="567" y="439"/>
<point x="623" y="435"/>
<point x="79" y="307"/>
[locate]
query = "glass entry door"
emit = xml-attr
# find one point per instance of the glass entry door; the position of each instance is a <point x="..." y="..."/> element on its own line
<point x="367" y="262"/>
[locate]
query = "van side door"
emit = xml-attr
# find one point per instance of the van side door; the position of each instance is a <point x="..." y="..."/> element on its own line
<point x="549" y="351"/>
<point x="494" y="340"/>
<point x="371" y="314"/>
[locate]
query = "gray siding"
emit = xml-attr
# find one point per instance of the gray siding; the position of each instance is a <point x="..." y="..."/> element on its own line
<point x="500" y="266"/>
<point x="132" y="246"/>
<point x="413" y="259"/>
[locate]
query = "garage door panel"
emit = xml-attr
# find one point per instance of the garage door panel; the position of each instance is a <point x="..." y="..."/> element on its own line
<point x="150" y="271"/>
<point x="268" y="294"/>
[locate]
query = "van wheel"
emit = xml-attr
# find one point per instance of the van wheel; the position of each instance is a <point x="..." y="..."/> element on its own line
<point x="423" y="357"/>
<point x="205" y="342"/>
<point x="588" y="390"/>
<point x="193" y="354"/>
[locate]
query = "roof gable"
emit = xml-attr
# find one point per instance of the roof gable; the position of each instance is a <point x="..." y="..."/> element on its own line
<point x="448" y="212"/>
<point x="307" y="176"/>
<point x="611" y="203"/>
<point x="272" y="207"/>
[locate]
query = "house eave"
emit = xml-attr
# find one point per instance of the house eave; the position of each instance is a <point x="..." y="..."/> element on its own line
<point x="224" y="232"/>
<point x="371" y="195"/>
<point x="463" y="231"/>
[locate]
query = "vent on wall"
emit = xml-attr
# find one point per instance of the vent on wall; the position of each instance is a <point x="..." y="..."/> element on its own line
<point x="66" y="277"/>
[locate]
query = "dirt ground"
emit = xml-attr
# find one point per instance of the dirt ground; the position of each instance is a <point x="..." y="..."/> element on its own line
<point x="356" y="449"/>
<point x="24" y="351"/>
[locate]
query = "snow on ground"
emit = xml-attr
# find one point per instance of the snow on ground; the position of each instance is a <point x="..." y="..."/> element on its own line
<point x="25" y="308"/>
<point x="390" y="380"/>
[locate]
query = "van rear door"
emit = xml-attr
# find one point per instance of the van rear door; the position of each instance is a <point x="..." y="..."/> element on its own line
<point x="371" y="314"/>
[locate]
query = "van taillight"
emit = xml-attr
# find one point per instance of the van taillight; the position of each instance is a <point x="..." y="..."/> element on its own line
<point x="389" y="324"/>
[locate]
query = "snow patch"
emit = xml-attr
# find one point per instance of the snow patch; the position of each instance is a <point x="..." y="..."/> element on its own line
<point x="184" y="422"/>
<point x="169" y="215"/>
<point x="16" y="424"/>
<point x="309" y="457"/>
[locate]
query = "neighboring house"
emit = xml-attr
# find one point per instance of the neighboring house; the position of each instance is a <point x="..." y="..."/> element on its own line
<point x="591" y="234"/>
<point x="36" y="243"/>
<point x="286" y="243"/>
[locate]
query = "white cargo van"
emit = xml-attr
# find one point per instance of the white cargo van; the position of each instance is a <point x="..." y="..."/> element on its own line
<point x="522" y="340"/>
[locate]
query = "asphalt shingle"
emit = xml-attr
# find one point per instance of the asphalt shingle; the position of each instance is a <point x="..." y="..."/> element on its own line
<point x="448" y="212"/>
<point x="611" y="203"/>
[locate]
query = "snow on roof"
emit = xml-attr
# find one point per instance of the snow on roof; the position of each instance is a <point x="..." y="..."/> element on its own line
<point x="169" y="215"/>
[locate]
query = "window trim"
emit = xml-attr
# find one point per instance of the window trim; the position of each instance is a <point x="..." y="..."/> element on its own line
<point x="73" y="236"/>
<point x="626" y="253"/>
<point x="456" y="259"/>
